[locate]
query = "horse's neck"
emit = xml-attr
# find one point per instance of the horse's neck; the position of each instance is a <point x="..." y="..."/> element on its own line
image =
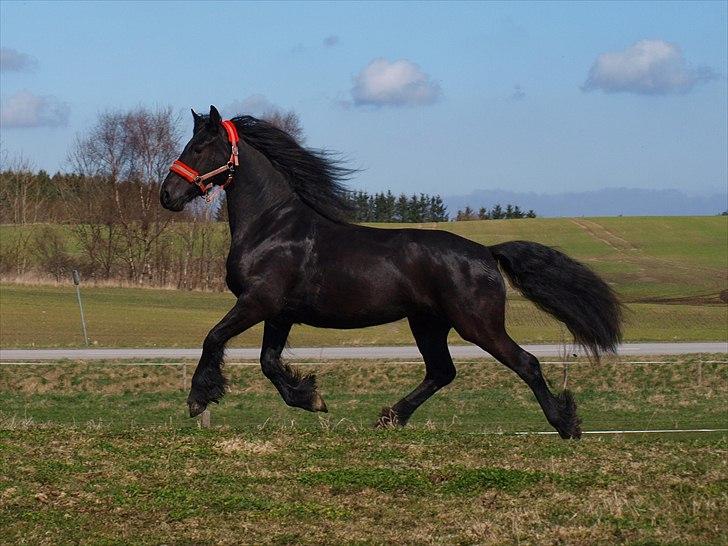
<point x="258" y="187"/>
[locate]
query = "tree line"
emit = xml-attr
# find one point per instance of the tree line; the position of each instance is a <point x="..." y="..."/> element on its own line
<point x="104" y="218"/>
<point x="497" y="212"/>
<point x="386" y="207"/>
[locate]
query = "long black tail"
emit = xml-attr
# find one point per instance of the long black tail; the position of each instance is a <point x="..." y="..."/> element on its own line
<point x="566" y="289"/>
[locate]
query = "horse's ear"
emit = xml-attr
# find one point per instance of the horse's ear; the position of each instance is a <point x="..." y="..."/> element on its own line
<point x="215" y="118"/>
<point x="198" y="119"/>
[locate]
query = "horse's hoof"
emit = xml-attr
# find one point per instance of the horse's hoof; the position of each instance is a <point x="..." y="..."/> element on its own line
<point x="318" y="404"/>
<point x="196" y="408"/>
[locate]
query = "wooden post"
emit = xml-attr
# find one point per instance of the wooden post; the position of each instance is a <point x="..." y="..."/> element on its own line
<point x="184" y="377"/>
<point x="205" y="419"/>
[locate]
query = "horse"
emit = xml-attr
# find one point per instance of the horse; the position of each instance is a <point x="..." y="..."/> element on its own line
<point x="295" y="259"/>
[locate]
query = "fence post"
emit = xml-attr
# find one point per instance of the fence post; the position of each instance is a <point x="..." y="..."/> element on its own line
<point x="77" y="282"/>
<point x="205" y="419"/>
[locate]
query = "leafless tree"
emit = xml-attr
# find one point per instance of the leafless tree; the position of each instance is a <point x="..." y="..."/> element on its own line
<point x="124" y="157"/>
<point x="287" y="121"/>
<point x="21" y="197"/>
<point x="21" y="200"/>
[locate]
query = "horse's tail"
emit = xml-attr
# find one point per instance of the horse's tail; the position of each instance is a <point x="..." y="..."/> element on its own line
<point x="566" y="289"/>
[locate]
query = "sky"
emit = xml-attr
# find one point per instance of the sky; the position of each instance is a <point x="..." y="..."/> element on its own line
<point x="422" y="97"/>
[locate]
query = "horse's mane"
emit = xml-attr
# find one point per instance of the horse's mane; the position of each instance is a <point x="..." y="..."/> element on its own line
<point x="317" y="176"/>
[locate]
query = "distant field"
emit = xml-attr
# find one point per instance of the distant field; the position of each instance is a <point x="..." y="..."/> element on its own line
<point x="103" y="453"/>
<point x="47" y="316"/>
<point x="670" y="270"/>
<point x="644" y="257"/>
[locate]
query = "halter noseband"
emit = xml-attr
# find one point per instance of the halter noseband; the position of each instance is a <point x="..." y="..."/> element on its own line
<point x="194" y="177"/>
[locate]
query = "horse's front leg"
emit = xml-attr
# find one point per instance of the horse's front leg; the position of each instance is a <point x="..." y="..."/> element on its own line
<point x="208" y="382"/>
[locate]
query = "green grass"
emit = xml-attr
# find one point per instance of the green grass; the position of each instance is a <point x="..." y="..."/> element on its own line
<point x="47" y="316"/>
<point x="669" y="270"/>
<point x="611" y="395"/>
<point x="643" y="257"/>
<point x="103" y="454"/>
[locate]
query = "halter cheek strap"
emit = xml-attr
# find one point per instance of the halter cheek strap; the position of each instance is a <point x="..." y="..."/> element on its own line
<point x="194" y="177"/>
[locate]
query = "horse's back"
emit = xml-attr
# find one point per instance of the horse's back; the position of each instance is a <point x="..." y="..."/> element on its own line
<point x="392" y="273"/>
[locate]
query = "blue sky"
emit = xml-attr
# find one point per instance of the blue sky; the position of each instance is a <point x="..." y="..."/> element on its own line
<point x="436" y="97"/>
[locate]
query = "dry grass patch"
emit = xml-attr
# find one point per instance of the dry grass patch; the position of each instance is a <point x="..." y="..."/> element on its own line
<point x="238" y="445"/>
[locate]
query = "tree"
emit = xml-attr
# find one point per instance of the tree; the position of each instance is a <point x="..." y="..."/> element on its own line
<point x="287" y="121"/>
<point x="465" y="215"/>
<point x="401" y="208"/>
<point x="21" y="196"/>
<point x="391" y="206"/>
<point x="438" y="210"/>
<point x="123" y="158"/>
<point x="413" y="209"/>
<point x="21" y="202"/>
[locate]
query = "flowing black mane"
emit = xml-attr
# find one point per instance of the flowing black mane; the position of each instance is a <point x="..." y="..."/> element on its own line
<point x="317" y="176"/>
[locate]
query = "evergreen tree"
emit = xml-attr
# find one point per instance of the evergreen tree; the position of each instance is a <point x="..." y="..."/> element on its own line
<point x="413" y="209"/>
<point x="401" y="208"/>
<point x="438" y="210"/>
<point x="390" y="206"/>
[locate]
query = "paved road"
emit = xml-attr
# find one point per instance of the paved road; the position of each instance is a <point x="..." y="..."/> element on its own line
<point x="329" y="353"/>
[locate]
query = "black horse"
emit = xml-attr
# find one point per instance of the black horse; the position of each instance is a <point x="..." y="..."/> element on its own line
<point x="295" y="259"/>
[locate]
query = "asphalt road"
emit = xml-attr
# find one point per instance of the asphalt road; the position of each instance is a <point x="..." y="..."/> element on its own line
<point x="333" y="353"/>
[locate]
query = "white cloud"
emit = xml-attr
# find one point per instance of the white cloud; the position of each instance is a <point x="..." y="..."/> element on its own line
<point x="24" y="109"/>
<point x="254" y="105"/>
<point x="12" y="60"/>
<point x="331" y="41"/>
<point x="647" y="67"/>
<point x="397" y="83"/>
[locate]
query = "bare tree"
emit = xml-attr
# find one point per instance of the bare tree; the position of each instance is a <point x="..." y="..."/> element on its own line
<point x="20" y="195"/>
<point x="21" y="201"/>
<point x="287" y="121"/>
<point x="124" y="158"/>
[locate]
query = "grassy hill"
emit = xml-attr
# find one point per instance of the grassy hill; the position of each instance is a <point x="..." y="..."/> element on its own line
<point x="670" y="270"/>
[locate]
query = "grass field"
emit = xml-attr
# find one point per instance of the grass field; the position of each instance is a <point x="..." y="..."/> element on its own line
<point x="669" y="270"/>
<point x="103" y="453"/>
<point x="643" y="257"/>
<point x="47" y="316"/>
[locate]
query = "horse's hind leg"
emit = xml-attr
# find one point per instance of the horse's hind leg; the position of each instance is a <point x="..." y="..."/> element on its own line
<point x="492" y="337"/>
<point x="297" y="390"/>
<point x="431" y="338"/>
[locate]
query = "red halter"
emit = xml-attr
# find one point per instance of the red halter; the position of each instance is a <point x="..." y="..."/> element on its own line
<point x="194" y="177"/>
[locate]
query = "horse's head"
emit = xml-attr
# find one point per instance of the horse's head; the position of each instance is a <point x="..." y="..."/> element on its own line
<point x="206" y="160"/>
